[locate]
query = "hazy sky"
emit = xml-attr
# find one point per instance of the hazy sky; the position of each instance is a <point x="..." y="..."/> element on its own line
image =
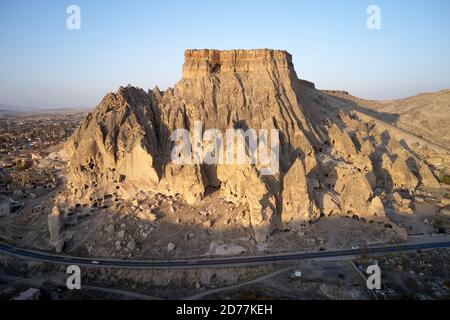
<point x="44" y="64"/>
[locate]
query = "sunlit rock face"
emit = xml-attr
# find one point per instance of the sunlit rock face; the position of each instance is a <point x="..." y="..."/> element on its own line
<point x="125" y="146"/>
<point x="200" y="63"/>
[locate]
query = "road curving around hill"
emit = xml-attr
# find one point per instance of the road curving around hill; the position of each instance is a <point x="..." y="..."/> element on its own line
<point x="213" y="262"/>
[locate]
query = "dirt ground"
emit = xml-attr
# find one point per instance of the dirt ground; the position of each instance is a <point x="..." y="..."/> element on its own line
<point x="195" y="230"/>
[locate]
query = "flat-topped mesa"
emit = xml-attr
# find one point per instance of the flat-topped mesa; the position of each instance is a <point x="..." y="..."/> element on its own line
<point x="124" y="147"/>
<point x="199" y="63"/>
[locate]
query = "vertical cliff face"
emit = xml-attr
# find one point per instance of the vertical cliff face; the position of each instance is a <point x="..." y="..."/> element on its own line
<point x="249" y="88"/>
<point x="125" y="145"/>
<point x="200" y="63"/>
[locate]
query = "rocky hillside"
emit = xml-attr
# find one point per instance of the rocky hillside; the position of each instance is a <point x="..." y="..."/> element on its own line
<point x="331" y="161"/>
<point x="426" y="115"/>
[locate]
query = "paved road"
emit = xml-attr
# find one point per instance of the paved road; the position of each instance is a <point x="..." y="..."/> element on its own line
<point x="215" y="262"/>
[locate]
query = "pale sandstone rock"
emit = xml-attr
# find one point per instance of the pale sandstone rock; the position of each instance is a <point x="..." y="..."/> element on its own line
<point x="341" y="142"/>
<point x="260" y="201"/>
<point x="394" y="146"/>
<point x="131" y="245"/>
<point x="349" y="121"/>
<point x="310" y="163"/>
<point x="397" y="173"/>
<point x="243" y="219"/>
<point x="401" y="204"/>
<point x="147" y="216"/>
<point x="401" y="175"/>
<point x="171" y="246"/>
<point x="328" y="203"/>
<point x="397" y="197"/>
<point x="363" y="162"/>
<point x="225" y="249"/>
<point x="357" y="138"/>
<point x="427" y="179"/>
<point x="297" y="205"/>
<point x="354" y="189"/>
<point x="55" y="224"/>
<point x="124" y="146"/>
<point x="207" y="224"/>
<point x="367" y="148"/>
<point x="376" y="208"/>
<point x="376" y="136"/>
<point x="186" y="180"/>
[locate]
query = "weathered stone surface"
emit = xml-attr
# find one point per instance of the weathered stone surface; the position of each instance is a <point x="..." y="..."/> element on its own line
<point x="225" y="249"/>
<point x="121" y="234"/>
<point x="171" y="246"/>
<point x="131" y="245"/>
<point x="376" y="208"/>
<point x="124" y="146"/>
<point x="297" y="205"/>
<point x="367" y="148"/>
<point x="115" y="146"/>
<point x="186" y="180"/>
<point x="328" y="166"/>
<point x="55" y="224"/>
<point x="354" y="189"/>
<point x="328" y="203"/>
<point x="147" y="216"/>
<point x="243" y="185"/>
<point x="427" y="179"/>
<point x="401" y="204"/>
<point x="341" y="142"/>
<point x="204" y="63"/>
<point x="397" y="174"/>
<point x="394" y="146"/>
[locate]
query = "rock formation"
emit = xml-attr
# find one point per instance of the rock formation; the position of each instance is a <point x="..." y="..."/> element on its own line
<point x="427" y="178"/>
<point x="297" y="204"/>
<point x="326" y="166"/>
<point x="54" y="224"/>
<point x="398" y="172"/>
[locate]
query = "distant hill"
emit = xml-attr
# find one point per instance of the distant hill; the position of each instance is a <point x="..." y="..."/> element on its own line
<point x="14" y="111"/>
<point x="425" y="115"/>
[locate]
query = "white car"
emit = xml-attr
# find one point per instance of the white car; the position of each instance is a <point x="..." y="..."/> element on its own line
<point x="355" y="247"/>
<point x="95" y="262"/>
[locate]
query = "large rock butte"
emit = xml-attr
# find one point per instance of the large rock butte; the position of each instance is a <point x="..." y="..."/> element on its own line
<point x="125" y="145"/>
